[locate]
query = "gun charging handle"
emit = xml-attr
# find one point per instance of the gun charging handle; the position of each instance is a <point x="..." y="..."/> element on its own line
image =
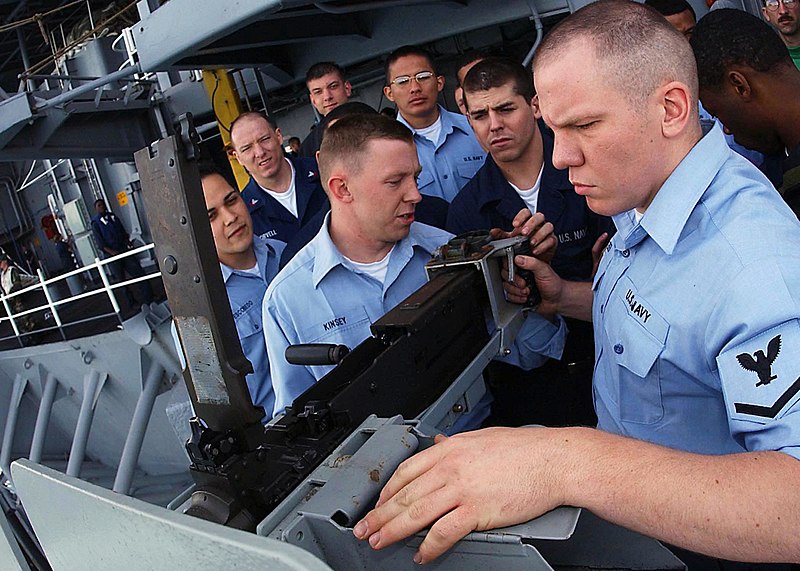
<point x="316" y="354"/>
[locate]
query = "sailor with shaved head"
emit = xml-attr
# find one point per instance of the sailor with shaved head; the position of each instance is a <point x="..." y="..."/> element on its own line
<point x="703" y="274"/>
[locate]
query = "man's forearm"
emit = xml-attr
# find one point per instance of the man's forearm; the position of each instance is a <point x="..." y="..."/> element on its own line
<point x="742" y="507"/>
<point x="575" y="300"/>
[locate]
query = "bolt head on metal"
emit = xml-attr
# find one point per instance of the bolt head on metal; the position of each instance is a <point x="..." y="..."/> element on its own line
<point x="506" y="352"/>
<point x="183" y="220"/>
<point x="171" y="162"/>
<point x="197" y="279"/>
<point x="458" y="407"/>
<point x="171" y="265"/>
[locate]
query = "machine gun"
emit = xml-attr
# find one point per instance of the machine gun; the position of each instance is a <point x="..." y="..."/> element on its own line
<point x="306" y="477"/>
<point x="242" y="469"/>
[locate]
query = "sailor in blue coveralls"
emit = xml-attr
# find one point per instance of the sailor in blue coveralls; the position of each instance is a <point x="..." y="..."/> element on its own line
<point x="283" y="193"/>
<point x="113" y="239"/>
<point x="696" y="310"/>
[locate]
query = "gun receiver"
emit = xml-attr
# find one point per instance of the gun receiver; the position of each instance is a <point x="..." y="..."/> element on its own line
<point x="243" y="469"/>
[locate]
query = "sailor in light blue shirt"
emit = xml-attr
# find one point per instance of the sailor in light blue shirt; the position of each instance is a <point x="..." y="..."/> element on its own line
<point x="448" y="151"/>
<point x="248" y="263"/>
<point x="695" y="308"/>
<point x="452" y="161"/>
<point x="246" y="289"/>
<point x="335" y="288"/>
<point x="696" y="311"/>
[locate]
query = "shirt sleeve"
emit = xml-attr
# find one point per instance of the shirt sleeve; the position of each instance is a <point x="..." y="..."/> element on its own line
<point x="758" y="330"/>
<point x="288" y="381"/>
<point x="537" y="341"/>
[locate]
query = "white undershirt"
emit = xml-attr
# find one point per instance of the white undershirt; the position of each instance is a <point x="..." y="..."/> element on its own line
<point x="530" y="196"/>
<point x="253" y="270"/>
<point x="375" y="270"/>
<point x="432" y="132"/>
<point x="637" y="215"/>
<point x="288" y="198"/>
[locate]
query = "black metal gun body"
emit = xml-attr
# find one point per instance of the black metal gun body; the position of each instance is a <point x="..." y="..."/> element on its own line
<point x="417" y="350"/>
<point x="243" y="469"/>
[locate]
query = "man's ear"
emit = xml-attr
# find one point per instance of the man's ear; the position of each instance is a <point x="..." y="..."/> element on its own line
<point x="337" y="188"/>
<point x="348" y="89"/>
<point x="677" y="104"/>
<point x="535" y="105"/>
<point x="440" y="82"/>
<point x="387" y="91"/>
<point x="740" y="84"/>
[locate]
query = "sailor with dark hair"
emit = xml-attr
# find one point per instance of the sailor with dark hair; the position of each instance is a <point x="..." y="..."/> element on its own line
<point x="113" y="239"/>
<point x="446" y="146"/>
<point x="327" y="89"/>
<point x="784" y="15"/>
<point x="519" y="173"/>
<point x="748" y="80"/>
<point x="248" y="264"/>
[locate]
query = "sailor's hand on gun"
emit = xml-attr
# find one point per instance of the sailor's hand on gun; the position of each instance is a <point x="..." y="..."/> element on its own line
<point x="541" y="233"/>
<point x="543" y="246"/>
<point x="468" y="482"/>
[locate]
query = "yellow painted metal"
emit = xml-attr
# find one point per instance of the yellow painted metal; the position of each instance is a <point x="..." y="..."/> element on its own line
<point x="227" y="106"/>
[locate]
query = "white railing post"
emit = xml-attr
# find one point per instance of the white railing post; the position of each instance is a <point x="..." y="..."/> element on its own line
<point x="11" y="317"/>
<point x="50" y="303"/>
<point x="107" y="287"/>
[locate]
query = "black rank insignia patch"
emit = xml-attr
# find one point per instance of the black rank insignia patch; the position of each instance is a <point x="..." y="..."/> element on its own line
<point x="759" y="379"/>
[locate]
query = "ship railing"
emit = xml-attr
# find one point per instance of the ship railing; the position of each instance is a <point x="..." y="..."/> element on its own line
<point x="53" y="301"/>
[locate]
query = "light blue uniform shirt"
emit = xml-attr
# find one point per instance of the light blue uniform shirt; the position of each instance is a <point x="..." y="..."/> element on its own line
<point x="319" y="298"/>
<point x="245" y="293"/>
<point x="449" y="164"/>
<point x="696" y="313"/>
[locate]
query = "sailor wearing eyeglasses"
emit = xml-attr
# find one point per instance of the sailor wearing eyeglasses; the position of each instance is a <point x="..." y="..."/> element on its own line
<point x="784" y="15"/>
<point x="447" y="149"/>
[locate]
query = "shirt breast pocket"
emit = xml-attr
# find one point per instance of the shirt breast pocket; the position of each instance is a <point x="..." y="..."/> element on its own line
<point x="466" y="171"/>
<point x="346" y="327"/>
<point x="425" y="182"/>
<point x="637" y="336"/>
<point x="248" y="320"/>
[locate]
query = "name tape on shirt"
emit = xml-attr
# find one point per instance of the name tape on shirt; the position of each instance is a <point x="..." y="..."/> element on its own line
<point x="334" y="323"/>
<point x="761" y="376"/>
<point x="243" y="309"/>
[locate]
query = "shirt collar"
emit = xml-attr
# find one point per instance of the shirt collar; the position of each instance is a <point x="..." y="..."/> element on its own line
<point x="666" y="217"/>
<point x="327" y="255"/>
<point x="448" y="124"/>
<point x="263" y="250"/>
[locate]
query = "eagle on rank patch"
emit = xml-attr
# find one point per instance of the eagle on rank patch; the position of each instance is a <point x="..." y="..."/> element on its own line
<point x="761" y="376"/>
<point x="762" y="364"/>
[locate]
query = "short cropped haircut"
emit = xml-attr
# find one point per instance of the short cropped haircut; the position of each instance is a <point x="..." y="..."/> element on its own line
<point x="671" y="7"/>
<point x="724" y="38"/>
<point x="405" y="51"/>
<point x="468" y="58"/>
<point x="497" y="72"/>
<point x="323" y="68"/>
<point x="252" y="114"/>
<point x="347" y="139"/>
<point x="635" y="45"/>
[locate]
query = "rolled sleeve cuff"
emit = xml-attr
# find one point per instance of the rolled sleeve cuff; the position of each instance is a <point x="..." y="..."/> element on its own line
<point x="538" y="340"/>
